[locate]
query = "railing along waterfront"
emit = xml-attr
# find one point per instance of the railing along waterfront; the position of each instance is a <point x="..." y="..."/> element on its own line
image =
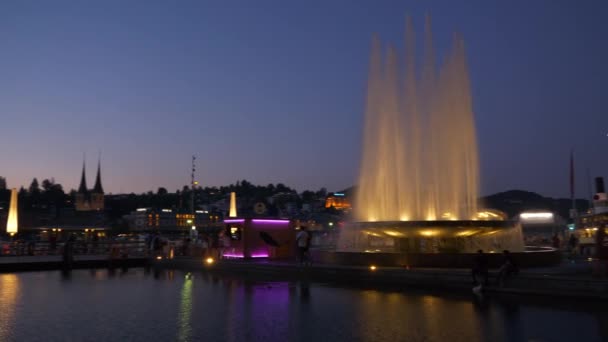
<point x="45" y="248"/>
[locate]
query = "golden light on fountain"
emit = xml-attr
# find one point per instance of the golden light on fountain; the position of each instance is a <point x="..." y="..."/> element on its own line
<point x="448" y="216"/>
<point x="370" y="233"/>
<point x="466" y="233"/>
<point x="428" y="233"/>
<point x="393" y="233"/>
<point x="489" y="215"/>
<point x="12" y="225"/>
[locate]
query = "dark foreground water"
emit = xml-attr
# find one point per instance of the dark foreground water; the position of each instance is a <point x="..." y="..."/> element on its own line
<point x="172" y="306"/>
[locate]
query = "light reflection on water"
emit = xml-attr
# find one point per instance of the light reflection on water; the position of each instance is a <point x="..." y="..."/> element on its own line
<point x="9" y="291"/>
<point x="185" y="310"/>
<point x="139" y="305"/>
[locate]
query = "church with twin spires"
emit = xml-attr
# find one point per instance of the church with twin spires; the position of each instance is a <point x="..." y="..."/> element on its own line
<point x="90" y="200"/>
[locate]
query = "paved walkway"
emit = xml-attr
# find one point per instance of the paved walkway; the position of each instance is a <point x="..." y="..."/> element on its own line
<point x="569" y="279"/>
<point x="55" y="262"/>
<point x="48" y="258"/>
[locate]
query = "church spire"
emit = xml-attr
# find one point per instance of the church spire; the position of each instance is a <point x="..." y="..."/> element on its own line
<point x="83" y="180"/>
<point x="98" y="189"/>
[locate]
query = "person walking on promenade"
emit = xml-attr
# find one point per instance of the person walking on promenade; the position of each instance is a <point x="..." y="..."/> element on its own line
<point x="303" y="242"/>
<point x="480" y="268"/>
<point x="556" y="241"/>
<point x="53" y="243"/>
<point x="572" y="242"/>
<point x="508" y="268"/>
<point x="68" y="252"/>
<point x="214" y="245"/>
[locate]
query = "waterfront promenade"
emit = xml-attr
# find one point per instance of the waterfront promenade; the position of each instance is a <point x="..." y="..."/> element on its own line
<point x="103" y="254"/>
<point x="55" y="262"/>
<point x="577" y="279"/>
<point x="567" y="280"/>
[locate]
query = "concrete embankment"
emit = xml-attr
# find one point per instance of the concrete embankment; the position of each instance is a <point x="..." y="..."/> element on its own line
<point x="534" y="282"/>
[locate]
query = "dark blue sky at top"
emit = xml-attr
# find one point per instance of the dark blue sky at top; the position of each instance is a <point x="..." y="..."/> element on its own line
<point x="273" y="91"/>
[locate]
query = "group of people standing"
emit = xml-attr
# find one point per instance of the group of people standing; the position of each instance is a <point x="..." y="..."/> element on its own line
<point x="207" y="245"/>
<point x="508" y="267"/>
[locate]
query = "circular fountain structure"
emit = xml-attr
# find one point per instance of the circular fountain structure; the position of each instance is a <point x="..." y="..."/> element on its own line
<point x="454" y="236"/>
<point x="444" y="244"/>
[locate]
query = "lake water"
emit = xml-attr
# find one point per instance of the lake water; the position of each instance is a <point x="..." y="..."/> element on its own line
<point x="136" y="305"/>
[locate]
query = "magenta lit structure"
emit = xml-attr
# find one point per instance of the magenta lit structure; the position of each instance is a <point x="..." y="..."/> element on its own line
<point x="252" y="238"/>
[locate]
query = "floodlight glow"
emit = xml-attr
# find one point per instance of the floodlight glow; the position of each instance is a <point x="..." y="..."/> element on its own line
<point x="527" y="216"/>
<point x="231" y="255"/>
<point x="269" y="221"/>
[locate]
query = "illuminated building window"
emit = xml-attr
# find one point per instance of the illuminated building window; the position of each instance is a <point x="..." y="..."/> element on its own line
<point x="338" y="202"/>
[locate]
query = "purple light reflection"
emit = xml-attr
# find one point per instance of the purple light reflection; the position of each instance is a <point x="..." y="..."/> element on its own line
<point x="240" y="256"/>
<point x="229" y="255"/>
<point x="270" y="221"/>
<point x="234" y="221"/>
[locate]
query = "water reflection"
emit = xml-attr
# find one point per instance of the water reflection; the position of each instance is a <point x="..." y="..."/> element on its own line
<point x="197" y="307"/>
<point x="512" y="323"/>
<point x="66" y="274"/>
<point x="304" y="291"/>
<point x="9" y="293"/>
<point x="185" y="310"/>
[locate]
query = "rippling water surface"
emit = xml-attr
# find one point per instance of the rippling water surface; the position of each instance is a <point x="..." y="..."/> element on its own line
<point x="137" y="305"/>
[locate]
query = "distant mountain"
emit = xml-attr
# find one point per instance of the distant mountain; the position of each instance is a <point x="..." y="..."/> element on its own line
<point x="514" y="202"/>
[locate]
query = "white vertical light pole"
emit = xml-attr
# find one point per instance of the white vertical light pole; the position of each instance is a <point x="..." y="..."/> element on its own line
<point x="232" y="212"/>
<point x="193" y="183"/>
<point x="12" y="224"/>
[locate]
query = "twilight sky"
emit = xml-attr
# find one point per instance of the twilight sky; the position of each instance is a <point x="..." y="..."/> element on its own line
<point x="273" y="91"/>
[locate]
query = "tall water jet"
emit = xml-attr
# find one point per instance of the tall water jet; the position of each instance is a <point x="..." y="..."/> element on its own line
<point x="12" y="225"/>
<point x="419" y="147"/>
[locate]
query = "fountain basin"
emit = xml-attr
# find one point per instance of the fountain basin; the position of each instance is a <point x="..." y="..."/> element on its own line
<point x="432" y="244"/>
<point x="458" y="236"/>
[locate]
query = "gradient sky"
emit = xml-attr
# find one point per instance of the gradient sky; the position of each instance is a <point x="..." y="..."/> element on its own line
<point x="273" y="91"/>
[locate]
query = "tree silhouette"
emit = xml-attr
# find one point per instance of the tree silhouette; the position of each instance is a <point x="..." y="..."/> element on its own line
<point x="34" y="187"/>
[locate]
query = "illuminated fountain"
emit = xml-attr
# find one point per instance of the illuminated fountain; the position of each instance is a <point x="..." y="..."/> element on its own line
<point x="419" y="177"/>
